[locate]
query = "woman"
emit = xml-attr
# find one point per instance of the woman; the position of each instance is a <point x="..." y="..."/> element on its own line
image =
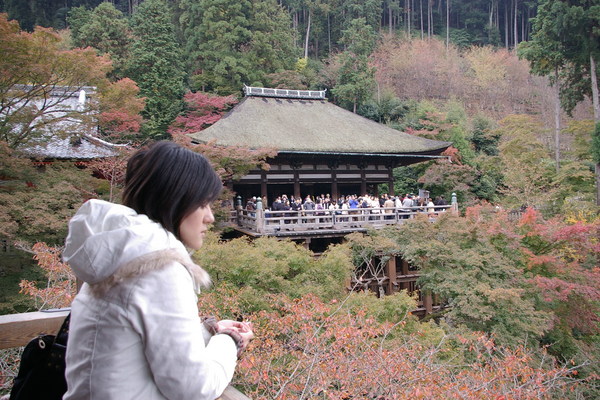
<point x="430" y="207"/>
<point x="135" y="331"/>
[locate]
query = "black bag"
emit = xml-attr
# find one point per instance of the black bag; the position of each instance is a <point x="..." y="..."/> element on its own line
<point x="42" y="369"/>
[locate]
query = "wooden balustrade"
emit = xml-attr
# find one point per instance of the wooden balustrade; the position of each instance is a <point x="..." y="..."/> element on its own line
<point x="17" y="330"/>
<point x="267" y="222"/>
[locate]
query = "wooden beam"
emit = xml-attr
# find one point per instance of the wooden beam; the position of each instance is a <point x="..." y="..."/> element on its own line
<point x="232" y="393"/>
<point x="17" y="330"/>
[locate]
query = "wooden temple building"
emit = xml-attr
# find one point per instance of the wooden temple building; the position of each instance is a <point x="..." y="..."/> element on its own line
<point x="321" y="149"/>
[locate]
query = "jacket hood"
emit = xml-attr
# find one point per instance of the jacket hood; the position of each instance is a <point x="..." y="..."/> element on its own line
<point x="103" y="237"/>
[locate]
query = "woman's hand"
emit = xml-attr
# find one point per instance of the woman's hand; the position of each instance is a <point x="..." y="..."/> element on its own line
<point x="243" y="328"/>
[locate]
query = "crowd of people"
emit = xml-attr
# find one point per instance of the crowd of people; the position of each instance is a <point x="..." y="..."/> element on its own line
<point x="384" y="203"/>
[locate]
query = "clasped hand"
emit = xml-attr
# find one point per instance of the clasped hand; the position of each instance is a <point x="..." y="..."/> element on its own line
<point x="243" y="328"/>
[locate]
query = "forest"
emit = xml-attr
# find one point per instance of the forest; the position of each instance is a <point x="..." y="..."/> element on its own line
<point x="512" y="84"/>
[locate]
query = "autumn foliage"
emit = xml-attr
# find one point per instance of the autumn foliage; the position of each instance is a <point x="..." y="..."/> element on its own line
<point x="308" y="349"/>
<point x="504" y="273"/>
<point x="483" y="78"/>
<point x="59" y="289"/>
<point x="119" y="116"/>
<point x="494" y="341"/>
<point x="203" y="110"/>
<point x="562" y="261"/>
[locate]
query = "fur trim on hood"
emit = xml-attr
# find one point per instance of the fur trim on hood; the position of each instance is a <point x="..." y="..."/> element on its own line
<point x="151" y="262"/>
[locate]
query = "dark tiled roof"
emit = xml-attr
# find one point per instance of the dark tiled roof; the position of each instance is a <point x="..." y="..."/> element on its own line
<point x="297" y="125"/>
<point x="84" y="147"/>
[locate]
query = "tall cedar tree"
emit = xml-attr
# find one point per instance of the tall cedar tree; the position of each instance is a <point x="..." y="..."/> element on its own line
<point x="156" y="65"/>
<point x="232" y="43"/>
<point x="357" y="77"/>
<point x="105" y="29"/>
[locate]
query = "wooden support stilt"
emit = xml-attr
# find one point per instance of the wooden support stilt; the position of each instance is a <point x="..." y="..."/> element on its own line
<point x="404" y="285"/>
<point x="392" y="275"/>
<point x="427" y="303"/>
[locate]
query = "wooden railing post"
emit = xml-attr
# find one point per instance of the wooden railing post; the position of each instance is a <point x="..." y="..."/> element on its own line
<point x="260" y="220"/>
<point x="454" y="204"/>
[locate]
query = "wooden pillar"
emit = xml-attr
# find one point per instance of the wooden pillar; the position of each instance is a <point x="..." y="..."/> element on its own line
<point x="363" y="165"/>
<point x="404" y="267"/>
<point x="404" y="285"/>
<point x="263" y="187"/>
<point x="363" y="181"/>
<point x="297" y="183"/>
<point x="306" y="244"/>
<point x="391" y="181"/>
<point x="334" y="185"/>
<point x="392" y="275"/>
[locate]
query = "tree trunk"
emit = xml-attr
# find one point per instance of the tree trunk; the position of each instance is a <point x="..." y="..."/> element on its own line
<point x="390" y="17"/>
<point x="407" y="3"/>
<point x="595" y="96"/>
<point x="447" y="24"/>
<point x="596" y="102"/>
<point x="497" y="19"/>
<point x="421" y="10"/>
<point x="429" y="19"/>
<point x="329" y="33"/>
<point x="506" y="30"/>
<point x="307" y="35"/>
<point x="523" y="35"/>
<point x="295" y="28"/>
<point x="557" y="120"/>
<point x="490" y="21"/>
<point x="516" y="25"/>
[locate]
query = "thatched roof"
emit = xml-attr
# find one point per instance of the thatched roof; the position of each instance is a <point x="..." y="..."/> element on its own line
<point x="301" y="125"/>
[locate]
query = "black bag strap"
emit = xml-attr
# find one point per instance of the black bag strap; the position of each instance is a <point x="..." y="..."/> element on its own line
<point x="63" y="333"/>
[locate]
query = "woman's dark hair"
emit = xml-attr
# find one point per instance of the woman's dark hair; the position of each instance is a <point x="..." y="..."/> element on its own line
<point x="167" y="182"/>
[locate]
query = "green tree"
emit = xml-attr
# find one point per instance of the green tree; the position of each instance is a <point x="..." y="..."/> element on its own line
<point x="104" y="29"/>
<point x="266" y="266"/>
<point x="232" y="43"/>
<point x="468" y="262"/>
<point x="356" y="76"/>
<point x="566" y="42"/>
<point x="384" y="108"/>
<point x="484" y="139"/>
<point x="529" y="178"/>
<point x="156" y="66"/>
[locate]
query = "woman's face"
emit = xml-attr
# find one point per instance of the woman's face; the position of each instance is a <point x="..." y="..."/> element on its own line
<point x="194" y="226"/>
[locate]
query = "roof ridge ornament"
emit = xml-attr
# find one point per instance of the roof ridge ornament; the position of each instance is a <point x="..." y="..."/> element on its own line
<point x="250" y="91"/>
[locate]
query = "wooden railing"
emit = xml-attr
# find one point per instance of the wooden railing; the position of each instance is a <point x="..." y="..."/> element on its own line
<point x="266" y="222"/>
<point x="17" y="330"/>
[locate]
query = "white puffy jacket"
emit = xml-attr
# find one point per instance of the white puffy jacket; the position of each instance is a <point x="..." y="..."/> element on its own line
<point x="135" y="332"/>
